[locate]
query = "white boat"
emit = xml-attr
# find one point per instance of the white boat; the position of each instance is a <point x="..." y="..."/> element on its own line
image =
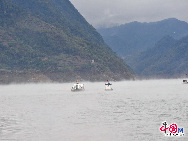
<point x="185" y="82"/>
<point x="77" y="87"/>
<point x="108" y="86"/>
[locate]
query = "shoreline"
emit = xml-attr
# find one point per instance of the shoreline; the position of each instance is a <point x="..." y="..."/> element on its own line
<point x="20" y="77"/>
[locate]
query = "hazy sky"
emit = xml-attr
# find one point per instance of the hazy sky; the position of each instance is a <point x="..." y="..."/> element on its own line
<point x="115" y="12"/>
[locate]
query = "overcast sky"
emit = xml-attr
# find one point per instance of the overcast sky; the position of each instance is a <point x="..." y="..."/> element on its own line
<point x="115" y="12"/>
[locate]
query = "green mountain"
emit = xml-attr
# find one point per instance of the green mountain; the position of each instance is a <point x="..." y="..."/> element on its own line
<point x="50" y="40"/>
<point x="131" y="38"/>
<point x="167" y="59"/>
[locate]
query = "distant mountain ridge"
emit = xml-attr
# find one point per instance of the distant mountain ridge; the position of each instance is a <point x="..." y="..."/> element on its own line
<point x="157" y="49"/>
<point x="134" y="37"/>
<point x="169" y="58"/>
<point x="50" y="39"/>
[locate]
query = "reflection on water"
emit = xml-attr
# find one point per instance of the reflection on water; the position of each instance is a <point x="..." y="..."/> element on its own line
<point x="133" y="111"/>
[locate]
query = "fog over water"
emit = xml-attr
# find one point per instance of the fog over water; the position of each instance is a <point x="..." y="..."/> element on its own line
<point x="133" y="111"/>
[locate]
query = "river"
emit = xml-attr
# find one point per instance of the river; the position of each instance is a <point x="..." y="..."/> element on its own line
<point x="133" y="111"/>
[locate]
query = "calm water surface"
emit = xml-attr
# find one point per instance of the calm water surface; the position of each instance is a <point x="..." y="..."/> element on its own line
<point x="133" y="111"/>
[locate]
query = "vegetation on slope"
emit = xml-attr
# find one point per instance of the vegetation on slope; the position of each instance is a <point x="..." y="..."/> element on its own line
<point x="131" y="38"/>
<point x="167" y="59"/>
<point x="52" y="38"/>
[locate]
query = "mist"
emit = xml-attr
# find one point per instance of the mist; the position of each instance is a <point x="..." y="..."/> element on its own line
<point x="108" y="13"/>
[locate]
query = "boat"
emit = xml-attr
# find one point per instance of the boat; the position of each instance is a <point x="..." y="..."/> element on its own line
<point x="108" y="86"/>
<point x="77" y="87"/>
<point x="185" y="82"/>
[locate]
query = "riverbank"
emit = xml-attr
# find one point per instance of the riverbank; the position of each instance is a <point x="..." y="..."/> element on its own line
<point x="7" y="76"/>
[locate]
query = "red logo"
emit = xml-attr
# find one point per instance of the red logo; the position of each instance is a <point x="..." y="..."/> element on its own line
<point x="173" y="130"/>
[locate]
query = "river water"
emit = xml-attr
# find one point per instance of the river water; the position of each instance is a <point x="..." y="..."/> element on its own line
<point x="133" y="111"/>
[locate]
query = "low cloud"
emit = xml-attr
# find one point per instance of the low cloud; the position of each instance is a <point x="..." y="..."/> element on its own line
<point x="115" y="12"/>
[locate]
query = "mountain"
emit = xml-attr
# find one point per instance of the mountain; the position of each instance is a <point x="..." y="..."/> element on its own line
<point x="131" y="38"/>
<point x="49" y="40"/>
<point x="168" y="58"/>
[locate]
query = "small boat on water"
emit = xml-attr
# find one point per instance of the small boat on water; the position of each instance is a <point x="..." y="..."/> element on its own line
<point x="77" y="87"/>
<point x="108" y="86"/>
<point x="185" y="82"/>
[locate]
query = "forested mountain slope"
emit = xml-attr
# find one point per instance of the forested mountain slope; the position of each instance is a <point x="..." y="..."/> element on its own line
<point x="49" y="39"/>
<point x="169" y="58"/>
<point x="131" y="38"/>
